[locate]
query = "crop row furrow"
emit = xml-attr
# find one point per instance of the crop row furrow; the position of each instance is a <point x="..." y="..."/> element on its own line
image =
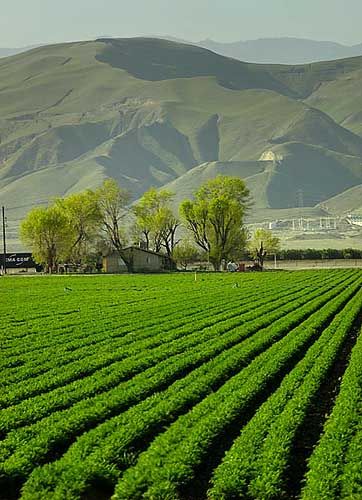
<point x="255" y="465"/>
<point x="163" y="302"/>
<point x="107" y="341"/>
<point x="197" y="332"/>
<point x="159" y="323"/>
<point x="80" y="350"/>
<point x="128" y="319"/>
<point x="59" y="318"/>
<point x="111" y="442"/>
<point x="173" y="457"/>
<point x="335" y="464"/>
<point x="33" y="409"/>
<point x="89" y="324"/>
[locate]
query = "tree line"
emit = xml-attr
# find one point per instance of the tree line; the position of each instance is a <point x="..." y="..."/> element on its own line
<point x="78" y="228"/>
<point x="315" y="254"/>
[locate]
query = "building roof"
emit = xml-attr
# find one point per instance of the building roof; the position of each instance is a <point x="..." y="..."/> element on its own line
<point x="139" y="249"/>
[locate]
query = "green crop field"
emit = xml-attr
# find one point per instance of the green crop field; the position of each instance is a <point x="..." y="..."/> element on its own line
<point x="162" y="387"/>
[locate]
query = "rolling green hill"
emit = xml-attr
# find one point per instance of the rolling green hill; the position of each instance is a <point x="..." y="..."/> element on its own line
<point x="154" y="112"/>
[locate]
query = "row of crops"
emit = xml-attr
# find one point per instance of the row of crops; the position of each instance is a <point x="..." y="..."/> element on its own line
<point x="163" y="387"/>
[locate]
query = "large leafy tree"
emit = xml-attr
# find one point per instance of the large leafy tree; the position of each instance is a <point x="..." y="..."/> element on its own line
<point x="71" y="228"/>
<point x="216" y="217"/>
<point x="49" y="234"/>
<point x="112" y="202"/>
<point x="84" y="217"/>
<point x="263" y="243"/>
<point x="186" y="253"/>
<point x="155" y="221"/>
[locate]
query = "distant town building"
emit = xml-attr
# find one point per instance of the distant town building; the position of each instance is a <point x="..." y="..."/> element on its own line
<point x="354" y="219"/>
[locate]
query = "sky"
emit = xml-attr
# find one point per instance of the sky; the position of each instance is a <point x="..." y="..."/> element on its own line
<point x="26" y="22"/>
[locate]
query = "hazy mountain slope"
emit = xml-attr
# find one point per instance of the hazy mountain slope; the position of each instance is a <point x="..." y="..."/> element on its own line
<point x="306" y="174"/>
<point x="311" y="126"/>
<point x="157" y="60"/>
<point x="342" y="100"/>
<point x="185" y="185"/>
<point x="7" y="52"/>
<point x="350" y="201"/>
<point x="283" y="50"/>
<point x="289" y="175"/>
<point x="151" y="131"/>
<point x="147" y="112"/>
<point x="73" y="77"/>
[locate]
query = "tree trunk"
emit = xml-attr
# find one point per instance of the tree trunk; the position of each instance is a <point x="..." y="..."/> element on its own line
<point x="261" y="255"/>
<point x="216" y="263"/>
<point x="147" y="237"/>
<point x="127" y="260"/>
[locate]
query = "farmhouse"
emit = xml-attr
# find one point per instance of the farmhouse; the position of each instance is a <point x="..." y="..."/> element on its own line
<point x="139" y="260"/>
<point x="113" y="263"/>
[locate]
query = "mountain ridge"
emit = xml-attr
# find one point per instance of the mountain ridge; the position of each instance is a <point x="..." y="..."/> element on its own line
<point x="283" y="50"/>
<point x="272" y="50"/>
<point x="148" y="111"/>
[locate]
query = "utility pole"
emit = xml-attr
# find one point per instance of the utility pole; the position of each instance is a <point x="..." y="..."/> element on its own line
<point x="4" y="238"/>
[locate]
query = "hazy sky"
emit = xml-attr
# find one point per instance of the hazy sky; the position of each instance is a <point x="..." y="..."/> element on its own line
<point x="24" y="22"/>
